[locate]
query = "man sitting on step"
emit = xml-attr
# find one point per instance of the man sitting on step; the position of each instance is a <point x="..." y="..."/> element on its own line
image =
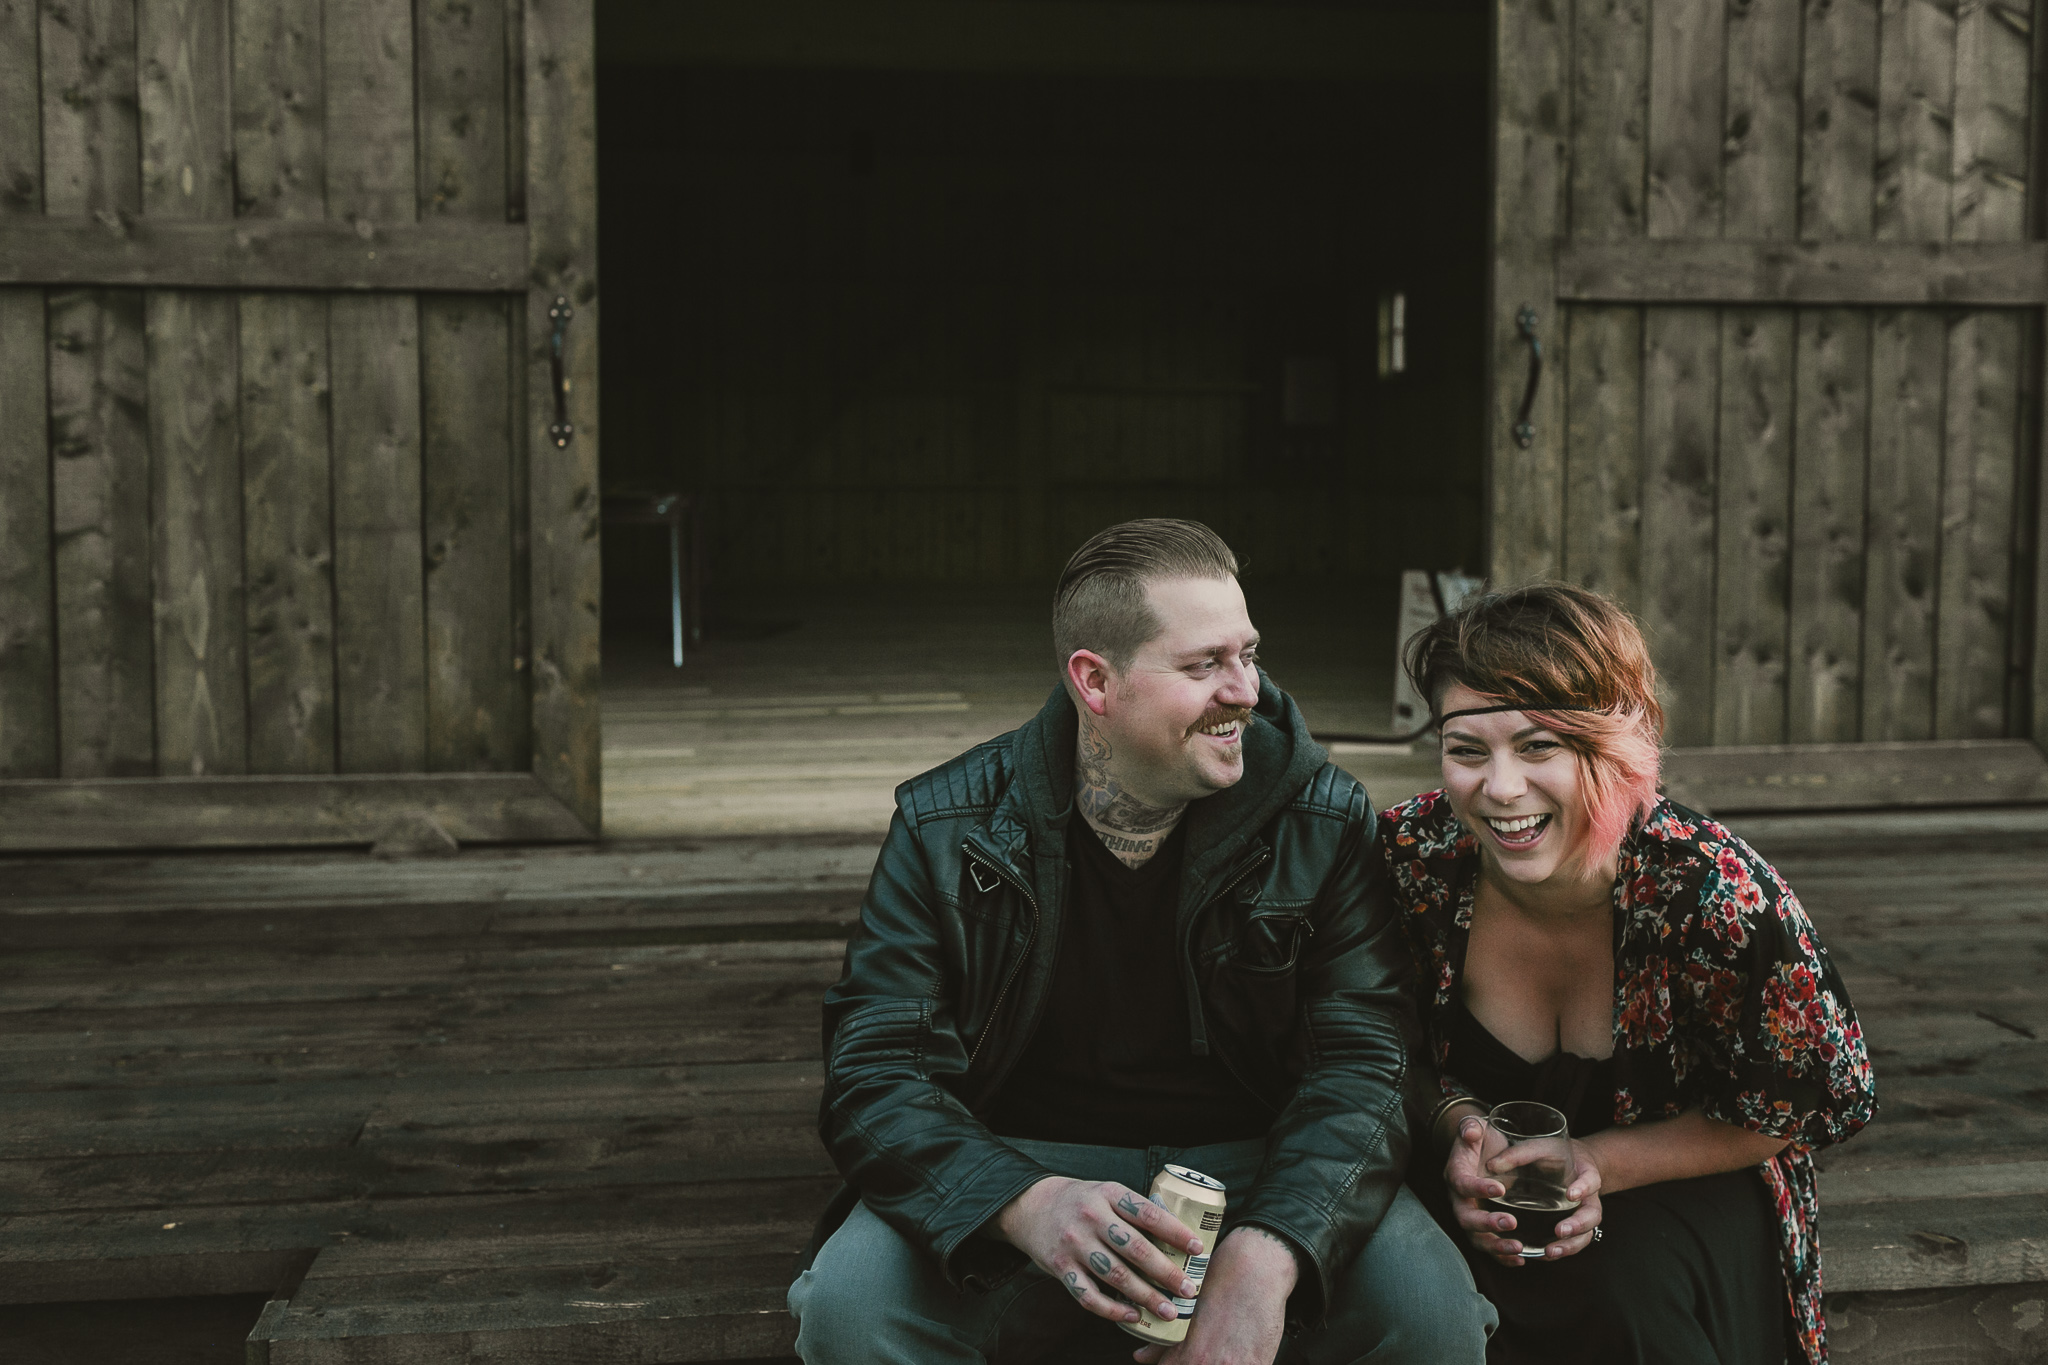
<point x="1147" y="927"/>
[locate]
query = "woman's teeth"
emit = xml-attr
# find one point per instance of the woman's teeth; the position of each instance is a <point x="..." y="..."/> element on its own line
<point x="1518" y="830"/>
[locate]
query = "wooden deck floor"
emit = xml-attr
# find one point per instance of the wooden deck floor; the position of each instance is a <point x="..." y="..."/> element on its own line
<point x="559" y="1105"/>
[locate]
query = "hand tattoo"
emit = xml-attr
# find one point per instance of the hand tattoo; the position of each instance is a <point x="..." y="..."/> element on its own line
<point x="1116" y="1235"/>
<point x="1074" y="1284"/>
<point x="1105" y="804"/>
<point x="1098" y="1261"/>
<point x="1128" y="1206"/>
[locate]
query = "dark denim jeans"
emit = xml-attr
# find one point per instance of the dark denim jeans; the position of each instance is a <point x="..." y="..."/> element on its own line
<point x="872" y="1297"/>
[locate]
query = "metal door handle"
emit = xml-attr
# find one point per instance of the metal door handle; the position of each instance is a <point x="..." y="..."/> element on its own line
<point x="561" y="432"/>
<point x="1525" y="430"/>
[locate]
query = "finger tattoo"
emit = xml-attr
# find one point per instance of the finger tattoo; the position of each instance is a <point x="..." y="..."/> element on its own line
<point x="1128" y="1206"/>
<point x="1074" y="1284"/>
<point x="1098" y="1261"/>
<point x="1116" y="1235"/>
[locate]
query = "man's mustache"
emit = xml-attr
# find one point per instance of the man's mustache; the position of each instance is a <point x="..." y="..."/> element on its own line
<point x="1219" y="715"/>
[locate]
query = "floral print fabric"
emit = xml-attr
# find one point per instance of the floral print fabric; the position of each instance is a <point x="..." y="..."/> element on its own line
<point x="1724" y="999"/>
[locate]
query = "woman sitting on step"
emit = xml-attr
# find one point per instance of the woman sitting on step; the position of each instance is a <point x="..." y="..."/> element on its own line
<point x="1585" y="943"/>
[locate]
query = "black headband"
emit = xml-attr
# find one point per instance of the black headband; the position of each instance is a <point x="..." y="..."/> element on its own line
<point x="1512" y="706"/>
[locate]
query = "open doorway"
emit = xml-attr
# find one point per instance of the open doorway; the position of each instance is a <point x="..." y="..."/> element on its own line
<point x="908" y="314"/>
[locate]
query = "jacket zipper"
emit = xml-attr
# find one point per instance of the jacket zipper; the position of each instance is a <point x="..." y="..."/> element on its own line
<point x="1009" y="978"/>
<point x="1198" y="1030"/>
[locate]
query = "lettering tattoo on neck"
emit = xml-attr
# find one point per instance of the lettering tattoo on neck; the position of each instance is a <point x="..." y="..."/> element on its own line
<point x="1108" y="807"/>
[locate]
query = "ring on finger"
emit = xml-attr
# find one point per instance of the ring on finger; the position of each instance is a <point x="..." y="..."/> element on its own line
<point x="1599" y="1233"/>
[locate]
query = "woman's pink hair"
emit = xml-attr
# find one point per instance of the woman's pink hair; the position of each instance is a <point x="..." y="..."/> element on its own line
<point x="1556" y="645"/>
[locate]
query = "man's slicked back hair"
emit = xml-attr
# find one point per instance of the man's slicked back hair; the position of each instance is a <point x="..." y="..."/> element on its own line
<point x="1100" y="602"/>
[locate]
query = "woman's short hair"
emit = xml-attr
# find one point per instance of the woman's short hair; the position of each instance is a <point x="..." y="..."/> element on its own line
<point x="1550" y="646"/>
<point x="1100" y="604"/>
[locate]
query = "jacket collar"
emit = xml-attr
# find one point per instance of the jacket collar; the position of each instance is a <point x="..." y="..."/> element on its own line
<point x="1033" y="814"/>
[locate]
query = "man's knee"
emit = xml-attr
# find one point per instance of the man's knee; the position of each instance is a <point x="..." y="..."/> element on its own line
<point x="858" y="1303"/>
<point x="1408" y="1296"/>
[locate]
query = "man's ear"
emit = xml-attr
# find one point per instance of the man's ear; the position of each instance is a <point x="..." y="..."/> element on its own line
<point x="1089" y="676"/>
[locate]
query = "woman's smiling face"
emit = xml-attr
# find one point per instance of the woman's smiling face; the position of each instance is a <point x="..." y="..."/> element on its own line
<point x="1515" y="785"/>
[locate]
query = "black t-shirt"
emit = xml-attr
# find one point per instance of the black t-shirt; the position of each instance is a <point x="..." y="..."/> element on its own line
<point x="1110" y="1063"/>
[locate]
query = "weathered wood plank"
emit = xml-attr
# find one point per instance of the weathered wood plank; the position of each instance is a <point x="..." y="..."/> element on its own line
<point x="1982" y="431"/>
<point x="380" y="633"/>
<point x="1604" y="483"/>
<point x="99" y="493"/>
<point x="476" y="695"/>
<point x="1848" y="776"/>
<point x="287" y="476"/>
<point x="28" y="678"/>
<point x="561" y="194"/>
<point x="1832" y="420"/>
<point x="1838" y="120"/>
<point x="91" y="152"/>
<point x="1915" y="111"/>
<point x="1610" y="83"/>
<point x="1996" y="1324"/>
<point x="251" y="253"/>
<point x="28" y="661"/>
<point x="380" y="615"/>
<point x="1762" y="119"/>
<point x="230" y="812"/>
<point x="195" y="464"/>
<point x="21" y="155"/>
<point x="196" y="506"/>
<point x="1752" y="520"/>
<point x="1680" y="407"/>
<point x="1782" y="273"/>
<point x="1993" y="47"/>
<point x="288" y="533"/>
<point x="184" y="97"/>
<point x="280" y="111"/>
<point x="1688" y="60"/>
<point x="100" y="447"/>
<point x="1904" y="523"/>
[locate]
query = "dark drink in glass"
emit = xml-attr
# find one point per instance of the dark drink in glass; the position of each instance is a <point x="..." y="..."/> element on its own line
<point x="1536" y="1219"/>
<point x="1528" y="1150"/>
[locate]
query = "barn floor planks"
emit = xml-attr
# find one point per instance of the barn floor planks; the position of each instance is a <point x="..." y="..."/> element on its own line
<point x="537" y="1105"/>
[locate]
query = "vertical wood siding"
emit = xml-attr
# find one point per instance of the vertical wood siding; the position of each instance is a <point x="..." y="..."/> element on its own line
<point x="1839" y="491"/>
<point x="268" y="532"/>
<point x="28" y="657"/>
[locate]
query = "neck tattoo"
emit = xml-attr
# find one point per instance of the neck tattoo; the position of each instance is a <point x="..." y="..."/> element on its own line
<point x="1129" y="828"/>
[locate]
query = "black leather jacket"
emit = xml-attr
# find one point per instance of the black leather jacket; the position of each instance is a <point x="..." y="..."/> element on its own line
<point x="1287" y="939"/>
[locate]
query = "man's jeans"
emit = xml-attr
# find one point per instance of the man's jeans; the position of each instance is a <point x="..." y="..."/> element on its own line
<point x="872" y="1297"/>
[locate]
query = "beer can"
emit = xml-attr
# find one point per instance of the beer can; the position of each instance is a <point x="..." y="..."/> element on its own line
<point x="1197" y="1201"/>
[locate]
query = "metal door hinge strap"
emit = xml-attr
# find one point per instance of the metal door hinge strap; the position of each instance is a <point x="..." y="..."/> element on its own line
<point x="561" y="432"/>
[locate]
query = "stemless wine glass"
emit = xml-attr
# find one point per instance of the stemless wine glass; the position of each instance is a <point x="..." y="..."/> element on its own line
<point x="1537" y="1173"/>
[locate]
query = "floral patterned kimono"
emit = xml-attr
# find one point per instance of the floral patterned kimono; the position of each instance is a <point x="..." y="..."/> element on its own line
<point x="1724" y="999"/>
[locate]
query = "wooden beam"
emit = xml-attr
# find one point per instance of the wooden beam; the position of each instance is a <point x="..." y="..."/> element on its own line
<point x="110" y="249"/>
<point x="236" y="812"/>
<point x="1775" y="777"/>
<point x="1692" y="270"/>
<point x="1049" y="37"/>
<point x="563" y="504"/>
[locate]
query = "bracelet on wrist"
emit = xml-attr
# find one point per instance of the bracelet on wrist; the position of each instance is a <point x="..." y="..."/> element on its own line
<point x="1444" y="1106"/>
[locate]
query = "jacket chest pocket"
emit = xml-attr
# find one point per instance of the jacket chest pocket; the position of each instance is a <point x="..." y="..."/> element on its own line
<point x="1270" y="941"/>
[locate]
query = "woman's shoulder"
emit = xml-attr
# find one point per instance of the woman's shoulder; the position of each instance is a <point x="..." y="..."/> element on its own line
<point x="1423" y="828"/>
<point x="1692" y="862"/>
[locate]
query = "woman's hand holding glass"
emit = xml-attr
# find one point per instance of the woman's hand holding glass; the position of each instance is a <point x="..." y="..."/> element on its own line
<point x="1473" y="1173"/>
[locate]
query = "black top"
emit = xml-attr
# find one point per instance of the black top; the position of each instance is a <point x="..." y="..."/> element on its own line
<point x="1580" y="1088"/>
<point x="1110" y="1064"/>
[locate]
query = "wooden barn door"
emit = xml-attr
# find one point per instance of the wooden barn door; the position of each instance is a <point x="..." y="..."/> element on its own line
<point x="287" y="552"/>
<point x="1783" y="267"/>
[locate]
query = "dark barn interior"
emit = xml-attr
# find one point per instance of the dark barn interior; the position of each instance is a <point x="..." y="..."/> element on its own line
<point x="926" y="311"/>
